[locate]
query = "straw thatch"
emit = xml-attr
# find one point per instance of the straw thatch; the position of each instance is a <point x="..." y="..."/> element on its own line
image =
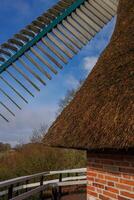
<point x="100" y="116"/>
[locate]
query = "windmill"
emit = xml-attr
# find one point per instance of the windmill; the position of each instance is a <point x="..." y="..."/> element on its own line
<point x="46" y="45"/>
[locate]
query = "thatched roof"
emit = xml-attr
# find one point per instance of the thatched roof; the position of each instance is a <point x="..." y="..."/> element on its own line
<point x="101" y="114"/>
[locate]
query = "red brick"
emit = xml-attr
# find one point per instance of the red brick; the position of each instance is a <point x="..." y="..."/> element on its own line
<point x="123" y="187"/>
<point x="89" y="187"/>
<point x="101" y="176"/>
<point x="110" y="183"/>
<point x="126" y="176"/>
<point x="127" y="194"/>
<point x="90" y="178"/>
<point x="91" y="173"/>
<point x="111" y="178"/>
<point x="99" y="190"/>
<point x="122" y="198"/>
<point x="109" y="194"/>
<point x="103" y="197"/>
<point x="92" y="193"/>
<point x="127" y="182"/>
<point x="100" y="181"/>
<point x="98" y="185"/>
<point x="112" y="190"/>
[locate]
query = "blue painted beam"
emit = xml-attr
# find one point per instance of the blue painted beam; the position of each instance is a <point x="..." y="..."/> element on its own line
<point x="37" y="38"/>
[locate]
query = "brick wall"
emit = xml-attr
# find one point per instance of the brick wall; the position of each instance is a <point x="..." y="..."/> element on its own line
<point x="110" y="176"/>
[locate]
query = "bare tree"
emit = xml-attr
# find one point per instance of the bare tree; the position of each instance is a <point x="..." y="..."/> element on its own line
<point x="68" y="97"/>
<point x="39" y="133"/>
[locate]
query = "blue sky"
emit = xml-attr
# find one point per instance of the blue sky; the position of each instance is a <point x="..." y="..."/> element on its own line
<point x="14" y="15"/>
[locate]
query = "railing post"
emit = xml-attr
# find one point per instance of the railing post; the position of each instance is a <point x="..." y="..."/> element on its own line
<point x="60" y="188"/>
<point x="76" y="174"/>
<point x="17" y="192"/>
<point x="27" y="181"/>
<point x="10" y="192"/>
<point x="41" y="183"/>
<point x="54" y="193"/>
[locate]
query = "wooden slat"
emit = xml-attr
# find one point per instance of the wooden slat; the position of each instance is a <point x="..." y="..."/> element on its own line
<point x="31" y="71"/>
<point x="18" y="82"/>
<point x="37" y="66"/>
<point x="96" y="20"/>
<point x="79" y="28"/>
<point x="62" y="38"/>
<point x="96" y="12"/>
<point x="84" y="18"/>
<point x="46" y="43"/>
<point x="49" y="56"/>
<point x="100" y="9"/>
<point x="8" y="97"/>
<point x="93" y="25"/>
<point x="3" y="117"/>
<point x="105" y="6"/>
<point x="59" y="45"/>
<point x="111" y="4"/>
<point x="70" y="37"/>
<point x="78" y="35"/>
<point x="82" y="23"/>
<point x="43" y="60"/>
<point x="25" y="76"/>
<point x="8" y="109"/>
<point x="11" y="87"/>
<point x="5" y="52"/>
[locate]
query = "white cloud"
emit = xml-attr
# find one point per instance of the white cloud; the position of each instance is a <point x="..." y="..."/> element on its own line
<point x="89" y="63"/>
<point x="20" y="129"/>
<point x="72" y="82"/>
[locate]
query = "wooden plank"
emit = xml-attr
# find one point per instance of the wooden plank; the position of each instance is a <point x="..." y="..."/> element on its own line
<point x="59" y="45"/>
<point x="70" y="183"/>
<point x="37" y="66"/>
<point x="96" y="12"/>
<point x="43" y="60"/>
<point x="115" y="2"/>
<point x="78" y="35"/>
<point x="25" y="76"/>
<point x="31" y="71"/>
<point x="100" y="9"/>
<point x="96" y="20"/>
<point x="81" y="170"/>
<point x="49" y="56"/>
<point x="82" y="22"/>
<point x="46" y="43"/>
<point x="112" y="5"/>
<point x="91" y="23"/>
<point x="69" y="36"/>
<point x="79" y="28"/>
<point x="64" y="40"/>
<point x="105" y="6"/>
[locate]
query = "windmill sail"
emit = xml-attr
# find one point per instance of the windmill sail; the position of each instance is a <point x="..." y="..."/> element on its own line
<point x="42" y="48"/>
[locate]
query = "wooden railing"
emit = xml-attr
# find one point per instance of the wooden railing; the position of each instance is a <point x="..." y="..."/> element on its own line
<point x="28" y="186"/>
